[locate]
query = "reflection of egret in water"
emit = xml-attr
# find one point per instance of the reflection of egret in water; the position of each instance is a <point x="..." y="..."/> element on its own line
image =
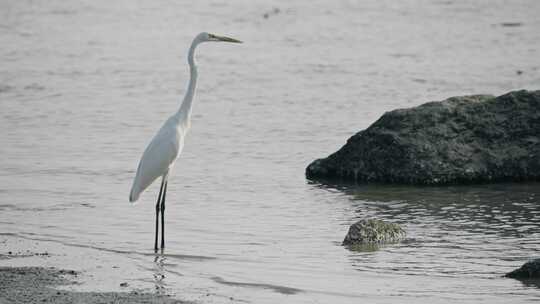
<point x="159" y="273"/>
<point x="164" y="269"/>
<point x="465" y="230"/>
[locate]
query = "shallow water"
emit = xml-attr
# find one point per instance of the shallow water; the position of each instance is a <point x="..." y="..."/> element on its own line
<point x="83" y="86"/>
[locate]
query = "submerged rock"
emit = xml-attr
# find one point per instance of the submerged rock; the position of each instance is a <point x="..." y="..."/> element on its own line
<point x="373" y="232"/>
<point x="466" y="139"/>
<point x="529" y="270"/>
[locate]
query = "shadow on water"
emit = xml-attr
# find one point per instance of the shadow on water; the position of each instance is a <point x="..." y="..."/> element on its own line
<point x="531" y="283"/>
<point x="508" y="209"/>
<point x="276" y="288"/>
<point x="364" y="247"/>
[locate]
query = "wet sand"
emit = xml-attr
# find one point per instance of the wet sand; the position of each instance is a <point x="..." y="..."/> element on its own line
<point x="37" y="271"/>
<point x="37" y="285"/>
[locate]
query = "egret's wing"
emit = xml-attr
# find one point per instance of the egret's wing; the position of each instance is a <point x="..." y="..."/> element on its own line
<point x="157" y="158"/>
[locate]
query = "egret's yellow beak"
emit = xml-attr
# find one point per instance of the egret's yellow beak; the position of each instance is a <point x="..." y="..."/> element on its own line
<point x="223" y="38"/>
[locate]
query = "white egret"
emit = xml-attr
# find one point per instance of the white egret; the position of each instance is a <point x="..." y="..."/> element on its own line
<point x="162" y="152"/>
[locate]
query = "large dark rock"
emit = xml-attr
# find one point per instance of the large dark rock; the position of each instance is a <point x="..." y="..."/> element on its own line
<point x="529" y="270"/>
<point x="373" y="232"/>
<point x="467" y="139"/>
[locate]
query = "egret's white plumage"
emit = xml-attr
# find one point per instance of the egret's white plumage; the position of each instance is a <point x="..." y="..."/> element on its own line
<point x="160" y="155"/>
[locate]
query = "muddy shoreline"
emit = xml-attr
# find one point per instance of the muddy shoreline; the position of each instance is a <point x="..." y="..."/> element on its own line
<point x="39" y="285"/>
<point x="34" y="271"/>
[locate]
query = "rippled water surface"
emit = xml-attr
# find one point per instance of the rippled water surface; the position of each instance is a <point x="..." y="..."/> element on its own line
<point x="84" y="85"/>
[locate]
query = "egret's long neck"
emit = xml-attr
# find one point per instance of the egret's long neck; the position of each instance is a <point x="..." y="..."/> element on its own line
<point x="184" y="113"/>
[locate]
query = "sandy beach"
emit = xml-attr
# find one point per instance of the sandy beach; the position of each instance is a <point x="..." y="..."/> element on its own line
<point x="37" y="285"/>
<point x="22" y="281"/>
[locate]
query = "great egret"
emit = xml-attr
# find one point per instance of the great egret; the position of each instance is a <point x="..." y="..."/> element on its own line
<point x="162" y="152"/>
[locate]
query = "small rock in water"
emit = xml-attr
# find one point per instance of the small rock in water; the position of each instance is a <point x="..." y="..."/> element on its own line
<point x="529" y="270"/>
<point x="373" y="232"/>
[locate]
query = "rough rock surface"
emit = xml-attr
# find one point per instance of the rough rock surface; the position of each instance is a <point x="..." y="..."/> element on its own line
<point x="460" y="140"/>
<point x="529" y="270"/>
<point x="373" y="232"/>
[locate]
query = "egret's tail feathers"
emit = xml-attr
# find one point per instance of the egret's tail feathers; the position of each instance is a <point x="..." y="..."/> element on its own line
<point x="133" y="196"/>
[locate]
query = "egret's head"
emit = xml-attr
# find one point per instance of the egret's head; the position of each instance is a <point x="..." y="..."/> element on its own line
<point x="211" y="37"/>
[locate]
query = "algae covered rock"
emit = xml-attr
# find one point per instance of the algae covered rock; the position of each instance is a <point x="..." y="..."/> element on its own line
<point x="373" y="232"/>
<point x="460" y="140"/>
<point x="529" y="270"/>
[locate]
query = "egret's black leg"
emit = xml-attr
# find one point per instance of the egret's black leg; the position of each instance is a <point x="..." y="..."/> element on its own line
<point x="157" y="215"/>
<point x="163" y="216"/>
